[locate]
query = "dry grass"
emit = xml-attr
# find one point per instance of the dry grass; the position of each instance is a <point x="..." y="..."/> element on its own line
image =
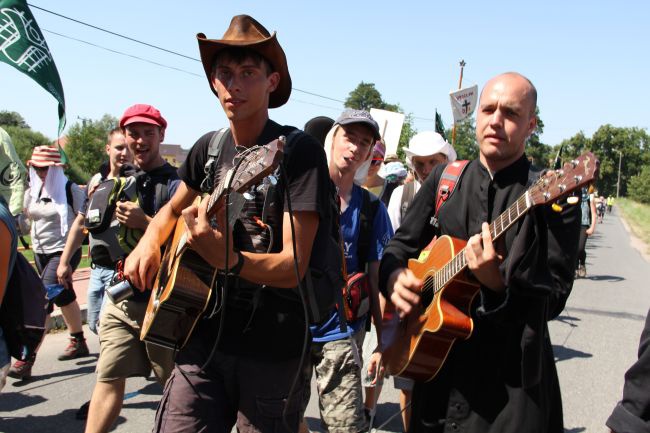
<point x="637" y="215"/>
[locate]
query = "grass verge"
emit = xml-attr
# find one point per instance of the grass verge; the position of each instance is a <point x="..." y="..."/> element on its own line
<point x="29" y="254"/>
<point x="637" y="216"/>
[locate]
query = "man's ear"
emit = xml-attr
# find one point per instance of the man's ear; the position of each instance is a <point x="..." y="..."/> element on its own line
<point x="162" y="135"/>
<point x="274" y="81"/>
<point x="108" y="148"/>
<point x="532" y="124"/>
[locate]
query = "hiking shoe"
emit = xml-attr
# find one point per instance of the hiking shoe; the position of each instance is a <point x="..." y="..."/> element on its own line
<point x="21" y="370"/>
<point x="76" y="349"/>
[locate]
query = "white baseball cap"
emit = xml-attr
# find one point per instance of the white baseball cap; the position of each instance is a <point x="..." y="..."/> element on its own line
<point x="427" y="143"/>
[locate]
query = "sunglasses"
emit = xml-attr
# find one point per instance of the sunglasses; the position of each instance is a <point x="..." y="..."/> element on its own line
<point x="41" y="168"/>
<point x="376" y="161"/>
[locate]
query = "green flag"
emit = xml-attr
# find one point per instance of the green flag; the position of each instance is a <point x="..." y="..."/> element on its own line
<point x="440" y="128"/>
<point x="23" y="46"/>
<point x="558" y="159"/>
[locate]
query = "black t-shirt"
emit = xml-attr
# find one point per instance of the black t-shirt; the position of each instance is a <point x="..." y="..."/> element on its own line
<point x="150" y="186"/>
<point x="263" y="321"/>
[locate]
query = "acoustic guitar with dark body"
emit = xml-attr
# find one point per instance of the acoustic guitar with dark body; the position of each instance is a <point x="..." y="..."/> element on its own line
<point x="417" y="346"/>
<point x="185" y="280"/>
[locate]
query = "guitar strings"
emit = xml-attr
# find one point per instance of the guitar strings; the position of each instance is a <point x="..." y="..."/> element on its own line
<point x="440" y="278"/>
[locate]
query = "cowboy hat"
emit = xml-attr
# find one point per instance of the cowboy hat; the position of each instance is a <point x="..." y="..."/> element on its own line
<point x="245" y="32"/>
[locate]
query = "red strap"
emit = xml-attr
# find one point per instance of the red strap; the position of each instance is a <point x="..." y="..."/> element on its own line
<point x="447" y="183"/>
<point x="119" y="269"/>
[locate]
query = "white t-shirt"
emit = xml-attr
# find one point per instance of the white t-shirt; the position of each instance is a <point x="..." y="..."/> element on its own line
<point x="46" y="222"/>
<point x="395" y="204"/>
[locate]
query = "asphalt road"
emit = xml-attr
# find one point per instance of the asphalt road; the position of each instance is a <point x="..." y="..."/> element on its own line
<point x="595" y="341"/>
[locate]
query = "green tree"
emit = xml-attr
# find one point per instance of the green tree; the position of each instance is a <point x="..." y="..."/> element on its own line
<point x="11" y="118"/>
<point x="609" y="143"/>
<point x="638" y="186"/>
<point x="539" y="153"/>
<point x="606" y="143"/>
<point x="465" y="141"/>
<point x="574" y="146"/>
<point x="86" y="140"/>
<point x="407" y="133"/>
<point x="25" y="140"/>
<point x="365" y="96"/>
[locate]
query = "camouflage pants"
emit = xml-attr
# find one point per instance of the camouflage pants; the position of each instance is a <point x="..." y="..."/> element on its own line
<point x="338" y="380"/>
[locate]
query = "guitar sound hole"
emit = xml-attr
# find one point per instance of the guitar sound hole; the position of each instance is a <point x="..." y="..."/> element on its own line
<point x="427" y="294"/>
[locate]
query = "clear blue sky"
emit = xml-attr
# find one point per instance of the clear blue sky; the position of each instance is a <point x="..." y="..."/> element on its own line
<point x="588" y="59"/>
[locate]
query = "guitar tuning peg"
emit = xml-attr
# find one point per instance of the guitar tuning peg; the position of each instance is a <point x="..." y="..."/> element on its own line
<point x="556" y="207"/>
<point x="273" y="180"/>
<point x="248" y="196"/>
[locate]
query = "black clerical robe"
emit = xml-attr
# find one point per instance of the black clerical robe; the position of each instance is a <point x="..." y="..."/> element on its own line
<point x="503" y="378"/>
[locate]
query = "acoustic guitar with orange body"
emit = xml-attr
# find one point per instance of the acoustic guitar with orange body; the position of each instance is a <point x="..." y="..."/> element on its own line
<point x="417" y="346"/>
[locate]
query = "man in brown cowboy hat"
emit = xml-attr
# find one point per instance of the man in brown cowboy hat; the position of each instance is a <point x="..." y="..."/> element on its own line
<point x="239" y="364"/>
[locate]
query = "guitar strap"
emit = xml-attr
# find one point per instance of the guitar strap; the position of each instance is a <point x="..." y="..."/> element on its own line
<point x="446" y="186"/>
<point x="214" y="150"/>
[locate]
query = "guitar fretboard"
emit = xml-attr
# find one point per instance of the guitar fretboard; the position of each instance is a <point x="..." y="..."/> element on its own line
<point x="503" y="222"/>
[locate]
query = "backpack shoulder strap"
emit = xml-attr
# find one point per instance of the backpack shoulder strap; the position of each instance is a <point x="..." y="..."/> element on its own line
<point x="369" y="206"/>
<point x="447" y="184"/>
<point x="408" y="192"/>
<point x="162" y="195"/>
<point x="214" y="150"/>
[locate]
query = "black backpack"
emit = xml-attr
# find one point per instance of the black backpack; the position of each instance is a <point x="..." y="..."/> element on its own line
<point x="102" y="204"/>
<point x="23" y="310"/>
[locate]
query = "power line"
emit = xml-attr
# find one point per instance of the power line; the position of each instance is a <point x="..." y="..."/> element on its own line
<point x="170" y="52"/>
<point x="147" y="45"/>
<point x="170" y="67"/>
<point x="121" y="53"/>
<point x="114" y="34"/>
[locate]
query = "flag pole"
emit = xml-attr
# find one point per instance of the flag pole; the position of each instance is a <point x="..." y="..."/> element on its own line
<point x="460" y="86"/>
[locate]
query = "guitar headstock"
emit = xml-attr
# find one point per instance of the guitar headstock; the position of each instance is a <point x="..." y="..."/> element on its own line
<point x="255" y="164"/>
<point x="558" y="183"/>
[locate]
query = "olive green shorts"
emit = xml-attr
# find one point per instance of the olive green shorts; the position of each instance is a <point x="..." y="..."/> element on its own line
<point x="121" y="353"/>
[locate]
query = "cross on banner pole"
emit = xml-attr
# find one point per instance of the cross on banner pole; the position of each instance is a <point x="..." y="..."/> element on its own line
<point x="460" y="86"/>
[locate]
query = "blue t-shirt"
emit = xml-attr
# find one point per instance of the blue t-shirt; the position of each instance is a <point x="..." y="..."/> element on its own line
<point x="382" y="231"/>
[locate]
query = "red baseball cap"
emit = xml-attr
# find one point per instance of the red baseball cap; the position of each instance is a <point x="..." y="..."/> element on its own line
<point x="142" y="113"/>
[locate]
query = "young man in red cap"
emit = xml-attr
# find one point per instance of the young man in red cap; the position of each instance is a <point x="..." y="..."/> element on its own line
<point x="122" y="354"/>
<point x="240" y="370"/>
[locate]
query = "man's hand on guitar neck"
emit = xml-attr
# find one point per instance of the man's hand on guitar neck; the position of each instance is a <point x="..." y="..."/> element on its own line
<point x="403" y="285"/>
<point x="209" y="242"/>
<point x="483" y="260"/>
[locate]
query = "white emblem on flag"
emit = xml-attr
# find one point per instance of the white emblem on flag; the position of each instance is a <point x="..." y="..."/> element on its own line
<point x="463" y="102"/>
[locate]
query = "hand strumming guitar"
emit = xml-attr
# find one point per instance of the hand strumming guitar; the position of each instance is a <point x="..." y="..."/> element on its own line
<point x="402" y="286"/>
<point x="209" y="242"/>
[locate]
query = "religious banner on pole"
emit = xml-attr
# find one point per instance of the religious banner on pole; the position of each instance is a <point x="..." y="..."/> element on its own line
<point x="463" y="102"/>
<point x="23" y="46"/>
<point x="390" y="127"/>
